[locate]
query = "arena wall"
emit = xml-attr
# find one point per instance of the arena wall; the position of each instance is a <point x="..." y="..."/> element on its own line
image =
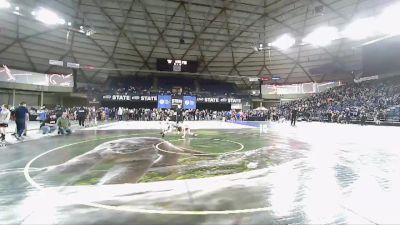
<point x="33" y="98"/>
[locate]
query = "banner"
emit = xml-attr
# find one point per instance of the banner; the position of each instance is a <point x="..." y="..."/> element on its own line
<point x="26" y="77"/>
<point x="376" y="77"/>
<point x="176" y="100"/>
<point x="304" y="88"/>
<point x="164" y="101"/>
<point x="230" y="100"/>
<point x="219" y="100"/>
<point x="147" y="98"/>
<point x="208" y="100"/>
<point x="135" y="98"/>
<point x="189" y="102"/>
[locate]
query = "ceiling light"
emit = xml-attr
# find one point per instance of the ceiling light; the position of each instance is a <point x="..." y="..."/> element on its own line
<point x="284" y="42"/>
<point x="387" y="22"/>
<point x="16" y="8"/>
<point x="4" y="4"/>
<point x="48" y="17"/>
<point x="69" y="24"/>
<point x="361" y="28"/>
<point x="322" y="36"/>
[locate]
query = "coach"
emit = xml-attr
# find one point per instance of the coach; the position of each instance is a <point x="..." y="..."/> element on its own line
<point x="21" y="113"/>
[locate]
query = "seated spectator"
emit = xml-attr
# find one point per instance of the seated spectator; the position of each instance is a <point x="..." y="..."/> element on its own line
<point x="42" y="114"/>
<point x="48" y="125"/>
<point x="64" y="125"/>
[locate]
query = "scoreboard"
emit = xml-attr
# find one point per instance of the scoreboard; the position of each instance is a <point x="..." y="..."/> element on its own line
<point x="177" y="65"/>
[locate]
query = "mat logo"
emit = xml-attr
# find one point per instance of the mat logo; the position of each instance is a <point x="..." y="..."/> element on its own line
<point x="162" y="102"/>
<point x="189" y="102"/>
<point x="263" y="128"/>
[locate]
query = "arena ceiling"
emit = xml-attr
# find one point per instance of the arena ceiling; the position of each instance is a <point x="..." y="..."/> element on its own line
<point x="131" y="34"/>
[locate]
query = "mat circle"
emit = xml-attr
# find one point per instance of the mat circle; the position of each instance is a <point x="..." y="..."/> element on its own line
<point x="128" y="209"/>
<point x="241" y="147"/>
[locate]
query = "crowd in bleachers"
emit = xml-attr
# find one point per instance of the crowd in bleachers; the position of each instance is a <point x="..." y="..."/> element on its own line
<point x="166" y="86"/>
<point x="372" y="100"/>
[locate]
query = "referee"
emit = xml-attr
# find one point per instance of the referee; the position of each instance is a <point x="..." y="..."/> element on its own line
<point x="294" y="117"/>
<point x="81" y="114"/>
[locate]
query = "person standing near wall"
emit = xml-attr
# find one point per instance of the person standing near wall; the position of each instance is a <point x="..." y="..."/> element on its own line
<point x="294" y="117"/>
<point x="5" y="115"/>
<point x="119" y="113"/>
<point x="81" y="114"/>
<point x="26" y="124"/>
<point x="21" y="113"/>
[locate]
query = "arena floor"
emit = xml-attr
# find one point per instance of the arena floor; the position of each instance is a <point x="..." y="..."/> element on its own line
<point x="313" y="173"/>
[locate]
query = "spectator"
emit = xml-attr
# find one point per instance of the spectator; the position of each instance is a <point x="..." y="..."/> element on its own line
<point x="120" y="112"/>
<point x="294" y="117"/>
<point x="49" y="125"/>
<point x="81" y="115"/>
<point x="4" y="119"/>
<point x="21" y="113"/>
<point x="64" y="125"/>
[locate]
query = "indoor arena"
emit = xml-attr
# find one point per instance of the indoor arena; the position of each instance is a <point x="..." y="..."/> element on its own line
<point x="199" y="112"/>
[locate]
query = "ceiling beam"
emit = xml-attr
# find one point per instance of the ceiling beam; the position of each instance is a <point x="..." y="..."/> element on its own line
<point x="298" y="64"/>
<point x="72" y="37"/>
<point x="27" y="37"/>
<point x="22" y="47"/>
<point x="299" y="48"/>
<point x="336" y="58"/>
<point x="202" y="58"/>
<point x="233" y="38"/>
<point x="341" y="15"/>
<point x="123" y="32"/>
<point x="80" y="69"/>
<point x="105" y="52"/>
<point x="157" y="28"/>
<point x="196" y="39"/>
<point x="231" y="46"/>
<point x="159" y="36"/>
<point x="116" y="42"/>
